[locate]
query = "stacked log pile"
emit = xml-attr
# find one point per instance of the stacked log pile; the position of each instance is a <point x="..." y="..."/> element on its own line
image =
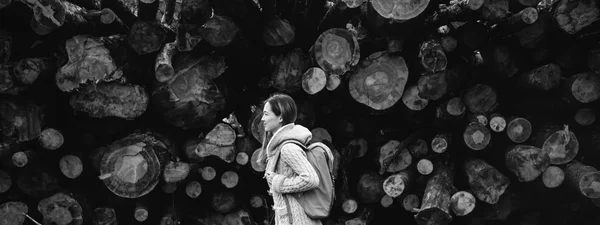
<point x="437" y="112"/>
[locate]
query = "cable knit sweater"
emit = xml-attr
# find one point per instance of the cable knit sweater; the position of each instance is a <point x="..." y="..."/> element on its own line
<point x="293" y="174"/>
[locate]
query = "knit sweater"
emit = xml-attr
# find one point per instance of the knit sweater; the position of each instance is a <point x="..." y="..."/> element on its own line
<point x="293" y="174"/>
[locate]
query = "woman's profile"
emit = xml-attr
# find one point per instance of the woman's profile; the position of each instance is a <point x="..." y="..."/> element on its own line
<point x="287" y="168"/>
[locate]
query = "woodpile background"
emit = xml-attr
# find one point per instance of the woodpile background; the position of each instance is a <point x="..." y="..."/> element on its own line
<point x="438" y="112"/>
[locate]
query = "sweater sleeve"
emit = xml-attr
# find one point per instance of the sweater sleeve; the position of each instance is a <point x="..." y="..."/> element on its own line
<point x="305" y="177"/>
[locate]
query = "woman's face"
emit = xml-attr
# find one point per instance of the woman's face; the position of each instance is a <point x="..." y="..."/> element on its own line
<point x="271" y="121"/>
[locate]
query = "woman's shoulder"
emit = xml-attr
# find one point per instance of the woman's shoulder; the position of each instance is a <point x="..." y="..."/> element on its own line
<point x="291" y="148"/>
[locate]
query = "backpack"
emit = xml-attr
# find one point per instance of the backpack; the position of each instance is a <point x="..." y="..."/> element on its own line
<point x="316" y="202"/>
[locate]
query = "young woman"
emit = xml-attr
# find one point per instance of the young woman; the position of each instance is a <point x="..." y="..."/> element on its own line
<point x="287" y="169"/>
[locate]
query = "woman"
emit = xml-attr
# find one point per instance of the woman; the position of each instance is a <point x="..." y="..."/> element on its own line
<point x="287" y="169"/>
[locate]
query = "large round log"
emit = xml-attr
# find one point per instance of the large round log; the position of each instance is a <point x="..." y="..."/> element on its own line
<point x="462" y="203"/>
<point x="582" y="87"/>
<point x="219" y="142"/>
<point x="583" y="178"/>
<point x="486" y="182"/>
<point x="433" y="86"/>
<point x="336" y="51"/>
<point x="111" y="100"/>
<point x="379" y="81"/>
<point x="13" y="213"/>
<point x="559" y="143"/>
<point x="435" y="206"/>
<point x="413" y="100"/>
<point x="191" y="99"/>
<point x="131" y="167"/>
<point x="526" y="161"/>
<point x="399" y="10"/>
<point x="219" y="31"/>
<point x="91" y="60"/>
<point x="61" y="208"/>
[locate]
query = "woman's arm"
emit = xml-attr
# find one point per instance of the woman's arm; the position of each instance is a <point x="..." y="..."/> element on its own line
<point x="306" y="177"/>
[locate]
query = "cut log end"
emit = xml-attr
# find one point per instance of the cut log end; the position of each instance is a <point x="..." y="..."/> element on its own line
<point x="141" y="214"/>
<point x="529" y="15"/>
<point x="455" y="106"/>
<point x="411" y="202"/>
<point x="585" y="116"/>
<point x="51" y="139"/>
<point x="60" y="209"/>
<point x="242" y="158"/>
<point x="314" y="80"/>
<point x="176" y="171"/>
<point x="475" y="4"/>
<point x="333" y="81"/>
<point x="5" y="181"/>
<point x="229" y="179"/>
<point x="257" y="201"/>
<point x="418" y="149"/>
<point x="336" y="51"/>
<point x="497" y="123"/>
<point x="432" y="56"/>
<point x="20" y="159"/>
<point x="485" y="181"/>
<point x="208" y="173"/>
<point x="439" y="144"/>
<point x="574" y="16"/>
<point x="477" y="136"/>
<point x="585" y="87"/>
<point x="526" y="161"/>
<point x="105" y="216"/>
<point x="71" y="166"/>
<point x="386" y="201"/>
<point x="146" y="37"/>
<point x="561" y="146"/>
<point x="399" y="10"/>
<point x="462" y="203"/>
<point x="425" y="166"/>
<point x="553" y="176"/>
<point x="412" y="100"/>
<point x="193" y="189"/>
<point x="394" y="185"/>
<point x="349" y="206"/>
<point x="518" y="130"/>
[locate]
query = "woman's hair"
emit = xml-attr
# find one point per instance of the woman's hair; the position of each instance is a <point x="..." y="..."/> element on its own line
<point x="282" y="105"/>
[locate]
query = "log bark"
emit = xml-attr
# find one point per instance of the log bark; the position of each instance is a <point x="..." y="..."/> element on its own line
<point x="462" y="203"/>
<point x="526" y="161"/>
<point x="219" y="31"/>
<point x="379" y="81"/>
<point x="560" y="143"/>
<point x="219" y="142"/>
<point x="314" y="80"/>
<point x="399" y="11"/>
<point x="585" y="116"/>
<point x="369" y="188"/>
<point x="287" y="70"/>
<point x="163" y="68"/>
<point x="494" y="10"/>
<point x="132" y="166"/>
<point x="224" y="202"/>
<point x="486" y="182"/>
<point x="61" y="208"/>
<point x="412" y="99"/>
<point x="193" y="189"/>
<point x="435" y="206"/>
<point x="553" y="176"/>
<point x="433" y="86"/>
<point x="176" y="171"/>
<point x="583" y="178"/>
<point x="582" y="88"/>
<point x="127" y="101"/>
<point x="105" y="216"/>
<point x="519" y="129"/>
<point x="109" y="18"/>
<point x="191" y="98"/>
<point x="18" y="77"/>
<point x="37" y="183"/>
<point x="5" y="181"/>
<point x="71" y="166"/>
<point x="572" y="16"/>
<point x="461" y="10"/>
<point x="480" y="98"/>
<point x="255" y="165"/>
<point x="21" y="118"/>
<point x="477" y="136"/>
<point x="358" y="147"/>
<point x="91" y="60"/>
<point x="395" y="184"/>
<point x="13" y="212"/>
<point x="336" y="51"/>
<point x="543" y="78"/>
